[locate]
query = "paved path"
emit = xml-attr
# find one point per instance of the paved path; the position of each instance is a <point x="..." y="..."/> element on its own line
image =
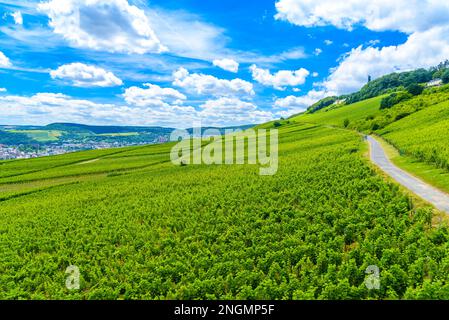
<point x="377" y="154"/>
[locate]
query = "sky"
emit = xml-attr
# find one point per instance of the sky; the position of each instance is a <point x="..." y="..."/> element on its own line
<point x="178" y="63"/>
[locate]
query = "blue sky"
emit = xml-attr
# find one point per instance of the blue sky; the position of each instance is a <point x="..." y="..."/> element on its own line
<point x="172" y="63"/>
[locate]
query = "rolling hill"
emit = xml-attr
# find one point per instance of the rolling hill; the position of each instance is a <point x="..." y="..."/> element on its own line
<point x="141" y="227"/>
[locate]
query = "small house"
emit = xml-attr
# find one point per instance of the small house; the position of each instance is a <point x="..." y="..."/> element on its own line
<point x="435" y="83"/>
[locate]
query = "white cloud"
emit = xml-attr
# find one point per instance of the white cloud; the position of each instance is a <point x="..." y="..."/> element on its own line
<point x="18" y="18"/>
<point x="4" y="61"/>
<point x="425" y="22"/>
<point x="227" y="64"/>
<point x="280" y="79"/>
<point x="104" y="25"/>
<point x="186" y="35"/>
<point x="421" y="50"/>
<point x="231" y="111"/>
<point x="296" y="104"/>
<point x="43" y="108"/>
<point x="315" y="74"/>
<point x="3" y="90"/>
<point x="292" y="54"/>
<point x="209" y="85"/>
<point x="379" y="15"/>
<point x="318" y="51"/>
<point x="328" y="42"/>
<point x="82" y="75"/>
<point x="152" y="96"/>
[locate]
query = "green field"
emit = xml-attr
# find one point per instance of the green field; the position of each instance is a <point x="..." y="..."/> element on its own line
<point x="138" y="226"/>
<point x="420" y="136"/>
<point x="336" y="117"/>
<point x="40" y="135"/>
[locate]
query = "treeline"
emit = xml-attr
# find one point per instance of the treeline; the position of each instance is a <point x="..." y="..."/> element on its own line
<point x="390" y="83"/>
<point x="8" y="138"/>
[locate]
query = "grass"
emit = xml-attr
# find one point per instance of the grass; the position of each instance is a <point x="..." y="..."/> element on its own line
<point x="427" y="172"/>
<point x="417" y="143"/>
<point x="138" y="226"/>
<point x="40" y="135"/>
<point x="336" y="116"/>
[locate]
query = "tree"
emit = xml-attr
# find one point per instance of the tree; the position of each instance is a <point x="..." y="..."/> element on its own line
<point x="445" y="76"/>
<point x="415" y="89"/>
<point x="346" y="123"/>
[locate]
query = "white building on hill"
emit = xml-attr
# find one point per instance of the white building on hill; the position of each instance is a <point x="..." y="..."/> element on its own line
<point x="435" y="83"/>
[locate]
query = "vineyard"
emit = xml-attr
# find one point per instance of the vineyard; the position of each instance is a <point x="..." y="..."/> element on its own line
<point x="423" y="135"/>
<point x="138" y="226"/>
<point x="417" y="128"/>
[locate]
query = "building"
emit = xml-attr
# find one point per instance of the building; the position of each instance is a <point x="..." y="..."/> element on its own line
<point x="435" y="83"/>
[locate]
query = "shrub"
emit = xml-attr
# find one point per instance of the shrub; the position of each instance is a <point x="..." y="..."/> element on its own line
<point x="445" y="77"/>
<point x="393" y="99"/>
<point x="415" y="89"/>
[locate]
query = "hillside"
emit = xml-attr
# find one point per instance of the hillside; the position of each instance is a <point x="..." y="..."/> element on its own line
<point x="138" y="226"/>
<point x="417" y="128"/>
<point x="141" y="227"/>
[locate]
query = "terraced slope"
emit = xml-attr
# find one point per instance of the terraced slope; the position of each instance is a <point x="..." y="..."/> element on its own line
<point x="138" y="226"/>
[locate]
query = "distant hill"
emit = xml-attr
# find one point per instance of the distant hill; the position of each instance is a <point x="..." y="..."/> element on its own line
<point x="80" y="133"/>
<point x="75" y="127"/>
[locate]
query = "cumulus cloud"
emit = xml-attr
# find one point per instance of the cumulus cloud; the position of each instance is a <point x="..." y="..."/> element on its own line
<point x="231" y="111"/>
<point x="328" y="42"/>
<point x="421" y="50"/>
<point x="227" y="64"/>
<point x="187" y="35"/>
<point x="425" y="22"/>
<point x="378" y="15"/>
<point x="40" y="108"/>
<point x="104" y="25"/>
<point x="318" y="51"/>
<point x="18" y="18"/>
<point x="4" y="61"/>
<point x="3" y="90"/>
<point x="280" y="79"/>
<point x="153" y="95"/>
<point x="296" y="104"/>
<point x="82" y="75"/>
<point x="203" y="84"/>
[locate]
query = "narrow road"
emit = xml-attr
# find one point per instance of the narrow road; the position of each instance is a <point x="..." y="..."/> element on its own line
<point x="425" y="191"/>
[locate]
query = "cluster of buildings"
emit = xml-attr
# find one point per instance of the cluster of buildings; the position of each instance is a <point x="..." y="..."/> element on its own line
<point x="27" y="152"/>
<point x="19" y="152"/>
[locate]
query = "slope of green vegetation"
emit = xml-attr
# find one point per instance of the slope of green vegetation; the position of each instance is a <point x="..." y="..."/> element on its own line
<point x="40" y="135"/>
<point x="9" y="138"/>
<point x="214" y="232"/>
<point x="411" y="81"/>
<point x="417" y="127"/>
<point x="336" y="116"/>
<point x="423" y="135"/>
